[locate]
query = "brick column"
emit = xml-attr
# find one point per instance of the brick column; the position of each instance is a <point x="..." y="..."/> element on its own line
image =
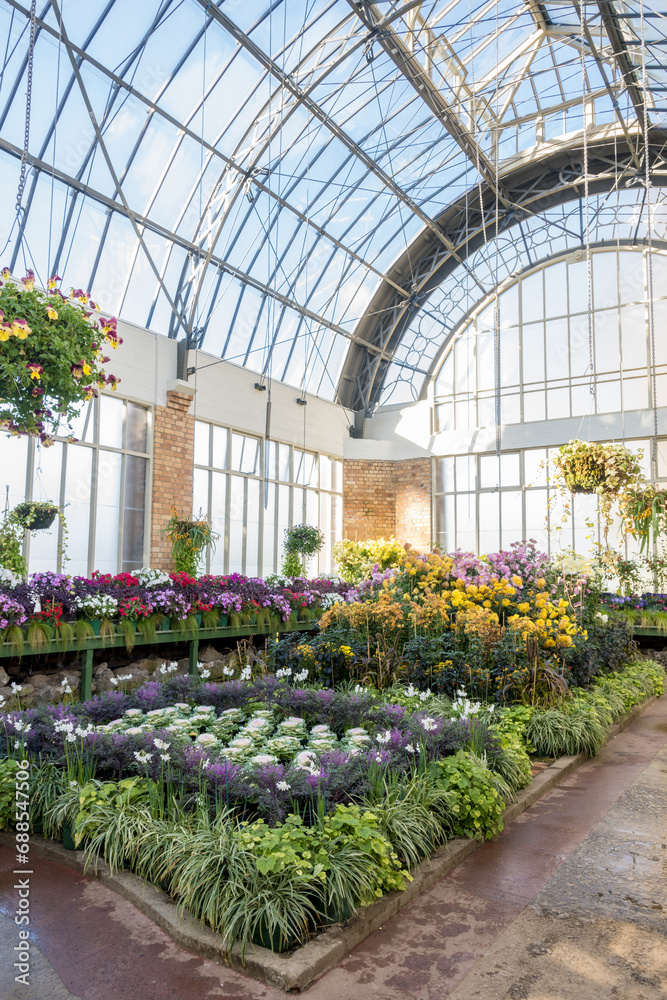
<point x="384" y="498"/>
<point x="173" y="467"/>
<point x="413" y="502"/>
<point x="369" y="499"/>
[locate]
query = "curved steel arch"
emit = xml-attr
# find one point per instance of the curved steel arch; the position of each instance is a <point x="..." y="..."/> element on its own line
<point x="533" y="188"/>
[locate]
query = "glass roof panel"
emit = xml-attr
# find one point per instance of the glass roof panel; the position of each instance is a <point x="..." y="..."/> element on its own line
<point x="303" y="146"/>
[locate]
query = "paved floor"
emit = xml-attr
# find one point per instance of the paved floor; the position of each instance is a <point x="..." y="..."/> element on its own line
<point x="568" y="903"/>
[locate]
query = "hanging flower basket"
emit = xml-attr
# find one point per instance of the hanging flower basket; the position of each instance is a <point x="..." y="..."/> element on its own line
<point x="35" y="515"/>
<point x="644" y="509"/>
<point x="591" y="467"/>
<point x="51" y="355"/>
<point x="189" y="537"/>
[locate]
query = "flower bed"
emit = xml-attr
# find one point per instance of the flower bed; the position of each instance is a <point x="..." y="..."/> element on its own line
<point x="311" y="780"/>
<point x="54" y="605"/>
<point x="269" y="810"/>
<point x="500" y="625"/>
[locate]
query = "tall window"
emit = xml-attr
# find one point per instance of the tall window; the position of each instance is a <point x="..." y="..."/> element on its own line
<point x="544" y="346"/>
<point x="483" y="502"/>
<point x="230" y="484"/>
<point x="100" y="482"/>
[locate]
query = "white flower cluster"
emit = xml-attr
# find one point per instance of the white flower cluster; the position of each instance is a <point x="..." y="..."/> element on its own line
<point x="8" y="579"/>
<point x="601" y="617"/>
<point x="97" y="605"/>
<point x="151" y="577"/>
<point x="412" y="692"/>
<point x="463" y="708"/>
<point x="328" y="600"/>
<point x="167" y="669"/>
<point x="121" y="679"/>
<point x="571" y="564"/>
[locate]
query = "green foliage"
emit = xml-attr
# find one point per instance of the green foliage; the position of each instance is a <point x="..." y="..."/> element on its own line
<point x="300" y="542"/>
<point x="644" y="509"/>
<point x="411" y="811"/>
<point x="363" y="828"/>
<point x="593" y="467"/>
<point x="475" y="806"/>
<point x="291" y="844"/>
<point x="8" y="769"/>
<point x="189" y="537"/>
<point x="111" y="815"/>
<point x="355" y="560"/>
<point x="11" y="547"/>
<point x="303" y="540"/>
<point x="555" y="733"/>
<point x="511" y="762"/>
<point x="34" y="515"/>
<point x="51" y="352"/>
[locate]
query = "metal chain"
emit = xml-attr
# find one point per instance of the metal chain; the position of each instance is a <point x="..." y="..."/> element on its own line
<point x="589" y="274"/>
<point x="28" y="104"/>
<point x="649" y="240"/>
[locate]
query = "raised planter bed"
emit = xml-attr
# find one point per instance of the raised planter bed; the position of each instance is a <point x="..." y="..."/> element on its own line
<point x="88" y="646"/>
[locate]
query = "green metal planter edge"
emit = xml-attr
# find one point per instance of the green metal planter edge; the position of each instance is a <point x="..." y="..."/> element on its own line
<point x="90" y="645"/>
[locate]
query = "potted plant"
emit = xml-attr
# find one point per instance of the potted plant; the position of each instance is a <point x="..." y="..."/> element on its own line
<point x="189" y="537"/>
<point x="51" y="355"/>
<point x="35" y="515"/>
<point x="301" y="542"/>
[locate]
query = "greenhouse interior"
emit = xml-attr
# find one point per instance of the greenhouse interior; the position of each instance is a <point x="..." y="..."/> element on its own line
<point x="333" y="552"/>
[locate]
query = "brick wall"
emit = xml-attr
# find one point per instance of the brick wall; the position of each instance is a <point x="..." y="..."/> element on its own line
<point x="413" y="502"/>
<point x="369" y="499"/>
<point x="173" y="461"/>
<point x="387" y="498"/>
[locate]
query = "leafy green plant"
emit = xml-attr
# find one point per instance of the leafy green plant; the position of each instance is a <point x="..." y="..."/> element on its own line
<point x="11" y="547"/>
<point x="593" y="467"/>
<point x="301" y="541"/>
<point x="51" y="355"/>
<point x="644" y="509"/>
<point x="556" y="733"/>
<point x="355" y="560"/>
<point x="111" y="817"/>
<point x="8" y="769"/>
<point x="475" y="806"/>
<point x="411" y="811"/>
<point x="35" y="515"/>
<point x="189" y="537"/>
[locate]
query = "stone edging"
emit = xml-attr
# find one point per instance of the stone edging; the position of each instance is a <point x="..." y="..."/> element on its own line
<point x="296" y="970"/>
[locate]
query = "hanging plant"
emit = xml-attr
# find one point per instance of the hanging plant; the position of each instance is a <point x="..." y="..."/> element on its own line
<point x="592" y="467"/>
<point x="301" y="542"/>
<point x="607" y="470"/>
<point x="644" y="510"/>
<point x="51" y="355"/>
<point x="11" y="547"/>
<point x="35" y="515"/>
<point x="189" y="537"/>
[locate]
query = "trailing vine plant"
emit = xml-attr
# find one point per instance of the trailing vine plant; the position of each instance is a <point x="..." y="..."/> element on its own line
<point x="189" y="537"/>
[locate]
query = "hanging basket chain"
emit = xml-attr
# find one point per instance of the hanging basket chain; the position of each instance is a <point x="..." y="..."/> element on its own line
<point x="28" y="106"/>
<point x="649" y="240"/>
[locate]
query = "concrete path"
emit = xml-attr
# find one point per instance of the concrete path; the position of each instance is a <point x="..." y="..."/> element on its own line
<point x="568" y="903"/>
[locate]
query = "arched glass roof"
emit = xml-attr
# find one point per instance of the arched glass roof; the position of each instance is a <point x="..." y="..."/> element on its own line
<point x="246" y="175"/>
